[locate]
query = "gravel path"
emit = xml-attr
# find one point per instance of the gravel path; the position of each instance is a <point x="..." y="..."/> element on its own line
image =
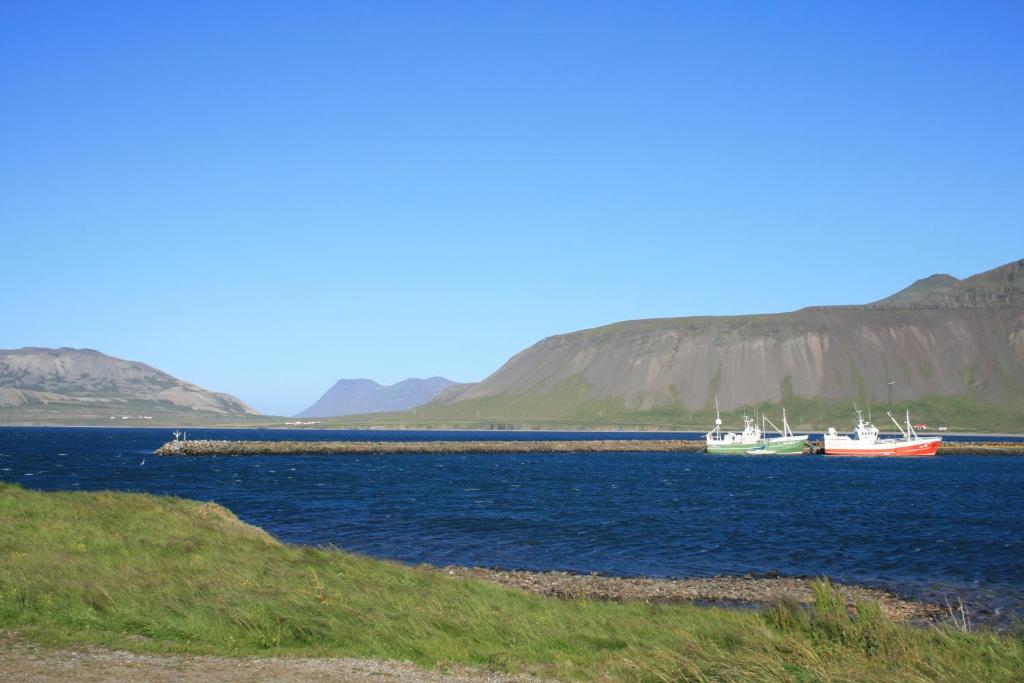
<point x="22" y="661"/>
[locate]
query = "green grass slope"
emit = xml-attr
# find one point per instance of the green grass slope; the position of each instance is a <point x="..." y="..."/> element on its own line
<point x="164" y="574"/>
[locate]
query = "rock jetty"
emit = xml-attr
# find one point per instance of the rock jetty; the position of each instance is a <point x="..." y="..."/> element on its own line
<point x="211" y="447"/>
<point x="214" y="447"/>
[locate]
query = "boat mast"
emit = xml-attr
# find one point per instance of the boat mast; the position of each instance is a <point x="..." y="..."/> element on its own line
<point x="910" y="429"/>
<point x="718" y="420"/>
<point x="905" y="436"/>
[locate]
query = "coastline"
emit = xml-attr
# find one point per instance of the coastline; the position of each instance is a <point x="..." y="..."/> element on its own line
<point x="206" y="594"/>
<point x="723" y="591"/>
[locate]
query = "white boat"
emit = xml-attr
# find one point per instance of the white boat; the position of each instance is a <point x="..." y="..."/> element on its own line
<point x="865" y="440"/>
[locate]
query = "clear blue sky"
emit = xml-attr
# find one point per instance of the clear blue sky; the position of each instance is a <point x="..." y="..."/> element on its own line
<point x="264" y="197"/>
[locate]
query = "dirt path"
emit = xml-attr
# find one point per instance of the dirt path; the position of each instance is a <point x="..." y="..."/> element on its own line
<point x="23" y="661"/>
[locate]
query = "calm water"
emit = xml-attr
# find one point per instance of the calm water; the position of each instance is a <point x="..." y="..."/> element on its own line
<point x="930" y="527"/>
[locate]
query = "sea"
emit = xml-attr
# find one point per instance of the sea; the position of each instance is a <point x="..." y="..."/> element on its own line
<point x="943" y="528"/>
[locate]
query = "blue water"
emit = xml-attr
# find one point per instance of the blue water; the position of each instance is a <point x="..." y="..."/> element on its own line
<point x="923" y="527"/>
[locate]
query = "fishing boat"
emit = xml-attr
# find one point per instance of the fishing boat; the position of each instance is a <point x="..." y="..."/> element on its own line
<point x="865" y="440"/>
<point x="729" y="442"/>
<point x="786" y="443"/>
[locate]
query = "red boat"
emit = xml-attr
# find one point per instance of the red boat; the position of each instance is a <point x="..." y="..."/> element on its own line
<point x="865" y="441"/>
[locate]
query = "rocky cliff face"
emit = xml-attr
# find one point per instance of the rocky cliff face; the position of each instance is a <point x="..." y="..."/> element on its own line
<point x="940" y="337"/>
<point x="37" y="384"/>
<point x="359" y="396"/>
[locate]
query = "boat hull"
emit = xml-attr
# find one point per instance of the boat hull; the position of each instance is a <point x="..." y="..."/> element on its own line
<point x="779" y="446"/>
<point x="731" y="448"/>
<point x="786" y="445"/>
<point x="897" y="448"/>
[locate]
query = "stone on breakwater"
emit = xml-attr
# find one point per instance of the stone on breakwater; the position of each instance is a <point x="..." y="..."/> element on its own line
<point x="210" y="447"/>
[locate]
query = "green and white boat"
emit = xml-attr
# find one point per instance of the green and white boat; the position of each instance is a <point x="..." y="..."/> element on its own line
<point x="786" y="443"/>
<point x="719" y="443"/>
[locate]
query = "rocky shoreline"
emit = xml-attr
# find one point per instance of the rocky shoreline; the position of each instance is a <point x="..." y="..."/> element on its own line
<point x="215" y="447"/>
<point x="747" y="590"/>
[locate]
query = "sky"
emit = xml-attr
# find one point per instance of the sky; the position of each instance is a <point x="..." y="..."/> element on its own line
<point x="263" y="198"/>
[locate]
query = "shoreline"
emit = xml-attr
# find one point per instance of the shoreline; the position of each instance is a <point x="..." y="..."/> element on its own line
<point x="724" y="591"/>
<point x="208" y="596"/>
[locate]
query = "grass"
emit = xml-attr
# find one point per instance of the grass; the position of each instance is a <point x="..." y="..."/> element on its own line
<point x="170" y="575"/>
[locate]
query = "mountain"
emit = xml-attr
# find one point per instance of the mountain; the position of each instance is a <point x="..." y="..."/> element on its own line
<point x="954" y="348"/>
<point x="358" y="396"/>
<point x="80" y="386"/>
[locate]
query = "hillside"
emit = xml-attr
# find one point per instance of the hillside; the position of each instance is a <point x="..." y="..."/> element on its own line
<point x="955" y="349"/>
<point x="357" y="396"/>
<point x="62" y="386"/>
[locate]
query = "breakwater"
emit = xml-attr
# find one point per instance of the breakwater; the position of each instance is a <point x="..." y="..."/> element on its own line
<point x="220" y="447"/>
<point x="211" y="447"/>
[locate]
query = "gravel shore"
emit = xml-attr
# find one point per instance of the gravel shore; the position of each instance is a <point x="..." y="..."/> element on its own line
<point x="723" y="590"/>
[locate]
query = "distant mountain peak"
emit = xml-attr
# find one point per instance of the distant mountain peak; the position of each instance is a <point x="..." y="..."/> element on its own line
<point x="921" y="289"/>
<point x="359" y="396"/>
<point x="996" y="288"/>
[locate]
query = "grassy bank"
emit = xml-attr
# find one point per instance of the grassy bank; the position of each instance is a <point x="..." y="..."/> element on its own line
<point x="164" y="574"/>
